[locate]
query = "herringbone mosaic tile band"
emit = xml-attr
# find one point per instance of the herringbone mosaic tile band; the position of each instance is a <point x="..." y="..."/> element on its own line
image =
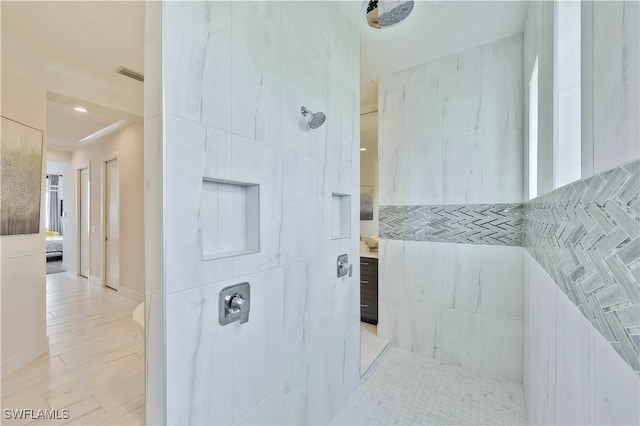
<point x="586" y="235"/>
<point x="495" y="224"/>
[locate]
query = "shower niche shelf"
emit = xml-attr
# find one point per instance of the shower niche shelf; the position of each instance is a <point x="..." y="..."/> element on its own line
<point x="340" y="216"/>
<point x="230" y="218"/>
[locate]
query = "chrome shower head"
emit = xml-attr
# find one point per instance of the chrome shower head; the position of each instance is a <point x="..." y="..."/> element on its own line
<point x="316" y="119"/>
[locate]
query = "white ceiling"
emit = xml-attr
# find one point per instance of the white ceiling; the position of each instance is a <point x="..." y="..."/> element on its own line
<point x="68" y="129"/>
<point x="435" y="28"/>
<point x="93" y="39"/>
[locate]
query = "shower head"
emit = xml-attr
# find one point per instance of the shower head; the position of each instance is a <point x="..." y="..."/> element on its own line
<point x="316" y="119"/>
<point x="386" y="13"/>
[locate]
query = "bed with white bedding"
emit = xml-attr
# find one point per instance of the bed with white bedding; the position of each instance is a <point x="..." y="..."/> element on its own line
<point x="54" y="246"/>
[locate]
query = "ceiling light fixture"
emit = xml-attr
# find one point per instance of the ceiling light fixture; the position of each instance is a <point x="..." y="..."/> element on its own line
<point x="80" y="109"/>
<point x="363" y="149"/>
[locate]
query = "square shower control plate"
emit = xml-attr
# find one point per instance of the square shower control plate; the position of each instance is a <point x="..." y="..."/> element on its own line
<point x="234" y="304"/>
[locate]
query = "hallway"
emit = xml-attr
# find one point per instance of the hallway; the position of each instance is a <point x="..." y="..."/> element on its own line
<point x="95" y="364"/>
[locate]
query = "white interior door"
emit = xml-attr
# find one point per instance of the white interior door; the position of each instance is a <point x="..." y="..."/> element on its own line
<point x="84" y="223"/>
<point x="112" y="227"/>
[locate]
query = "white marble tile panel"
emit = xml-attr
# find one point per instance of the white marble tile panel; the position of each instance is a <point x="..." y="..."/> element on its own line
<point x="393" y="266"/>
<point x="185" y="39"/>
<point x="425" y="272"/>
<point x="616" y="71"/>
<point x="256" y="84"/>
<point x="269" y="411"/>
<point x="352" y="358"/>
<point x="470" y="58"/>
<point x="195" y="346"/>
<point x="502" y="348"/>
<point x="320" y="409"/>
<point x="185" y="144"/>
<point x="424" y="71"/>
<point x="502" y="169"/>
<point x="503" y="49"/>
<point x="263" y="335"/>
<point x="216" y="91"/>
<point x="461" y="171"/>
<point x="304" y="176"/>
<point x="393" y="165"/>
<point x="462" y="338"/>
<point x="424" y="174"/>
<point x="393" y="123"/>
<point x="391" y="81"/>
<point x="502" y="98"/>
<point x="574" y="381"/>
<point x="461" y="103"/>
<point x="258" y="163"/>
<point x="295" y="397"/>
<point x="617" y="386"/>
<point x="299" y="241"/>
<point x="501" y="281"/>
<point x="426" y="329"/>
<point x="424" y="111"/>
<point x="461" y="276"/>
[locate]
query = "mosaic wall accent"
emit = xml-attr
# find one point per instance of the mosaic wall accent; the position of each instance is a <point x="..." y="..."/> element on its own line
<point x="494" y="224"/>
<point x="586" y="235"/>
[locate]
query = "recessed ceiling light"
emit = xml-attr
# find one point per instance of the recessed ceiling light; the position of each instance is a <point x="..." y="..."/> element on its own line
<point x="80" y="109"/>
<point x="363" y="149"/>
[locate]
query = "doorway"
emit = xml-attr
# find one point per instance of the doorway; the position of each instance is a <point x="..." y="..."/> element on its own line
<point x="111" y="224"/>
<point x="83" y="222"/>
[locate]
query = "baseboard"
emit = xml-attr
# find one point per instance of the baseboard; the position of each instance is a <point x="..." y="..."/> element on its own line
<point x="93" y="279"/>
<point x="13" y="363"/>
<point x="131" y="295"/>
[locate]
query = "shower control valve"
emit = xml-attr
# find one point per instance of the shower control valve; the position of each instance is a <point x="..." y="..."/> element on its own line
<point x="234" y="304"/>
<point x="344" y="267"/>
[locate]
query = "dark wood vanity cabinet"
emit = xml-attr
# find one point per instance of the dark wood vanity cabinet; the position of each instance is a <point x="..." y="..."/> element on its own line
<point x="369" y="290"/>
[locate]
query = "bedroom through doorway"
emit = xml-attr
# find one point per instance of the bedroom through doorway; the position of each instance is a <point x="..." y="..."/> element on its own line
<point x="54" y="216"/>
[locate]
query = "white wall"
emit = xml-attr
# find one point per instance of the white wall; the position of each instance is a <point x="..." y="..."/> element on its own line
<point x="451" y="133"/>
<point x="610" y="85"/>
<point x="128" y="144"/>
<point x="572" y="375"/>
<point x="22" y="269"/>
<point x="155" y="408"/>
<point x="538" y="42"/>
<point x="234" y="78"/>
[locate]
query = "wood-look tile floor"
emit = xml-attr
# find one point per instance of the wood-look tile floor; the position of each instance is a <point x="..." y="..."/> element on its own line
<point x="95" y="365"/>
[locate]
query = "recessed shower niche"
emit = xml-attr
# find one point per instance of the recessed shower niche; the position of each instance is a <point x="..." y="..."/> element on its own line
<point x="340" y="216"/>
<point x="230" y="218"/>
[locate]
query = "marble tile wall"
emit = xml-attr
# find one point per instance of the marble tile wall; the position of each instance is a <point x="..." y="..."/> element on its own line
<point x="450" y="133"/>
<point x="572" y="375"/>
<point x="235" y="76"/>
<point x="586" y="235"/>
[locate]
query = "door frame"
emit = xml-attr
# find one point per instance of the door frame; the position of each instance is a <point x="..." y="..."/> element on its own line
<point x="79" y="169"/>
<point x="103" y="214"/>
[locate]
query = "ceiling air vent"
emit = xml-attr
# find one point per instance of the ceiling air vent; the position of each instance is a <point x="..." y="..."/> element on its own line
<point x="131" y="74"/>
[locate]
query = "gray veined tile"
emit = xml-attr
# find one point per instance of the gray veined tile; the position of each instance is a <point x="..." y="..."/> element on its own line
<point x="630" y="252"/>
<point x="629" y="317"/>
<point x="624" y="279"/>
<point x="622" y="218"/>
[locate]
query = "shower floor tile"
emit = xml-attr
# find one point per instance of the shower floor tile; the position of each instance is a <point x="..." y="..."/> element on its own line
<point x="409" y="389"/>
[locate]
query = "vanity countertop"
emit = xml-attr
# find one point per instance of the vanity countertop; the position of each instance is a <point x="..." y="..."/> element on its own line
<point x="365" y="252"/>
